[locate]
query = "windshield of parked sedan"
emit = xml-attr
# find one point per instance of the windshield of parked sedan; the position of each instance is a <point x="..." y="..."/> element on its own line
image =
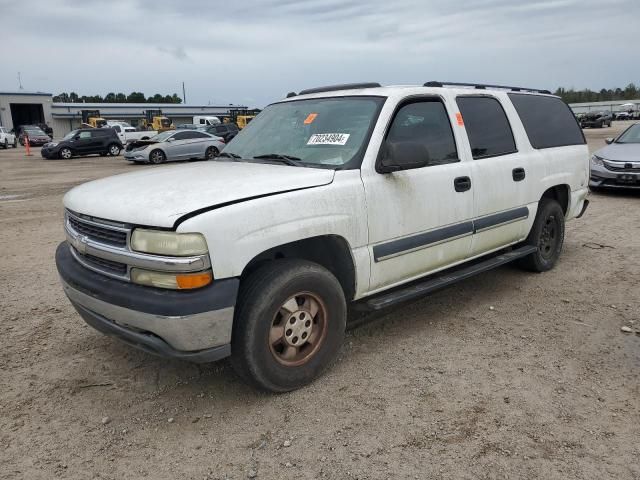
<point x="323" y="132"/>
<point x="632" y="135"/>
<point x="34" y="131"/>
<point x="161" y="137"/>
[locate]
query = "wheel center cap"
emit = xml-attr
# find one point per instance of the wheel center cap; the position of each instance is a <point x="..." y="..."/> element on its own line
<point x="298" y="328"/>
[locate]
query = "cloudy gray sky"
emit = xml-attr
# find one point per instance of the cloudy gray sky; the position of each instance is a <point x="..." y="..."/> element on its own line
<point x="254" y="51"/>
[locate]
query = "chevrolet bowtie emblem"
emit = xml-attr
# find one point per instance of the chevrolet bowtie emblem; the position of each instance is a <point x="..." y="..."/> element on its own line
<point x="81" y="244"/>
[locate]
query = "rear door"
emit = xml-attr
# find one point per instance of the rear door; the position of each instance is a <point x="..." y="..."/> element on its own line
<point x="499" y="173"/>
<point x="198" y="144"/>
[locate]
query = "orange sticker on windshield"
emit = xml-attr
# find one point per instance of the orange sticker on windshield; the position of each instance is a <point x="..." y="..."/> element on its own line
<point x="459" y="119"/>
<point x="310" y="118"/>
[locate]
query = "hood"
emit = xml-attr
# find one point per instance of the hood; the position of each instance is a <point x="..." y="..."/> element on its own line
<point x="621" y="152"/>
<point x="139" y="144"/>
<point x="160" y="196"/>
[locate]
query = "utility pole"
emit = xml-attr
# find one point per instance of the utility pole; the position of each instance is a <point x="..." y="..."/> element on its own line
<point x="184" y="94"/>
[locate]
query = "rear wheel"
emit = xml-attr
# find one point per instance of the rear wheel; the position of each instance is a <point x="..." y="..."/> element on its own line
<point x="157" y="156"/>
<point x="211" y="153"/>
<point x="65" y="153"/>
<point x="547" y="234"/>
<point x="114" y="150"/>
<point x="5" y="144"/>
<point x="289" y="324"/>
<point x="15" y="143"/>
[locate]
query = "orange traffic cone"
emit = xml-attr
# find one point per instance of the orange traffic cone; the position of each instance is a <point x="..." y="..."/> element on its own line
<point x="26" y="144"/>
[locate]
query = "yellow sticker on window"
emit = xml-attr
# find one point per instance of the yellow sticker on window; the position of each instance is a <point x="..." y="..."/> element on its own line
<point x="310" y="118"/>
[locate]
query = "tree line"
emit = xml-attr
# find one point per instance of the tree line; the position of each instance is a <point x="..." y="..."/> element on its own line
<point x="133" y="97"/>
<point x="630" y="92"/>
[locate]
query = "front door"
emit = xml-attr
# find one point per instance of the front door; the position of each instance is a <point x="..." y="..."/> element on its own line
<point x="420" y="220"/>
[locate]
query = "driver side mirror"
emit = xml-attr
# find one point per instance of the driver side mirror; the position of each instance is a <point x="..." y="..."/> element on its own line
<point x="397" y="156"/>
<point x="608" y="140"/>
<point x="171" y="139"/>
<point x="76" y="137"/>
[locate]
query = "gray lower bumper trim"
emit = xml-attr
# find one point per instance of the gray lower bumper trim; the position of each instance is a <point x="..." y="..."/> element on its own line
<point x="185" y="333"/>
<point x="150" y="343"/>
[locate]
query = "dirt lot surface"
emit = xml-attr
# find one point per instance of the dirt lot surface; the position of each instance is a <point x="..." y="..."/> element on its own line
<point x="506" y="375"/>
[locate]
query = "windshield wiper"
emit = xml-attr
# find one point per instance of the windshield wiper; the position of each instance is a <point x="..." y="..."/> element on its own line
<point x="286" y="159"/>
<point x="229" y="154"/>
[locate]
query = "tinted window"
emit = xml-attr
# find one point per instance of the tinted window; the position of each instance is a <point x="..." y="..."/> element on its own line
<point x="199" y="135"/>
<point x="85" y="135"/>
<point x="181" y="136"/>
<point x="487" y="126"/>
<point x="425" y="122"/>
<point x="548" y="121"/>
<point x="116" y="128"/>
<point x="220" y="130"/>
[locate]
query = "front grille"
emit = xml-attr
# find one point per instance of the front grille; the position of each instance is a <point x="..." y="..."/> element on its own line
<point x="98" y="233"/>
<point x="620" y="168"/>
<point x="105" y="265"/>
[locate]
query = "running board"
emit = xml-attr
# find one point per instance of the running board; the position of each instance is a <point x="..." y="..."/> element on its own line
<point x="444" y="279"/>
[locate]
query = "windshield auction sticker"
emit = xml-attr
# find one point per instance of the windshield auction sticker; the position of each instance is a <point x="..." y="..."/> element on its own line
<point x="328" y="139"/>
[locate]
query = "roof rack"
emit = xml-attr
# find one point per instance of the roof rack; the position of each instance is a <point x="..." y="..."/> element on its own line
<point x="482" y="86"/>
<point x="344" y="86"/>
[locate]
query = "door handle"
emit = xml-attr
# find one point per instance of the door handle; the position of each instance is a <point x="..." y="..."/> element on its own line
<point x="462" y="184"/>
<point x="518" y="174"/>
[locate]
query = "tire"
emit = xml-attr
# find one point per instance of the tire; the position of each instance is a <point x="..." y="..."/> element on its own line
<point x="113" y="150"/>
<point x="157" y="156"/>
<point x="211" y="153"/>
<point x="65" y="153"/>
<point x="6" y="144"/>
<point x="272" y="299"/>
<point x="547" y="234"/>
<point x="15" y="143"/>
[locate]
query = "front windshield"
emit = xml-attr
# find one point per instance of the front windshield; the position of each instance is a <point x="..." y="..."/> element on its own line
<point x="327" y="132"/>
<point x="70" y="135"/>
<point x="632" y="135"/>
<point x="34" y="131"/>
<point x="161" y="137"/>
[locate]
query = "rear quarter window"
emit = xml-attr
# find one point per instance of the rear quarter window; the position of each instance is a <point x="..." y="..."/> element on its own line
<point x="548" y="121"/>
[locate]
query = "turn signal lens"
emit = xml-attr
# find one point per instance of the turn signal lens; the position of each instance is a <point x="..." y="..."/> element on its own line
<point x="182" y="281"/>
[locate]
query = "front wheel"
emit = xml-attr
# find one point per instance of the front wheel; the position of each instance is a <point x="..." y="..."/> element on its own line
<point x="15" y="143"/>
<point x="114" y="150"/>
<point x="5" y="145"/>
<point x="211" y="153"/>
<point x="289" y="324"/>
<point x="157" y="156"/>
<point x="65" y="153"/>
<point x="547" y="234"/>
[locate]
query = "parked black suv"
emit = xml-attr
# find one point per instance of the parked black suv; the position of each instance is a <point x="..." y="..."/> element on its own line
<point x="84" y="141"/>
<point x="596" y="119"/>
<point x="224" y="130"/>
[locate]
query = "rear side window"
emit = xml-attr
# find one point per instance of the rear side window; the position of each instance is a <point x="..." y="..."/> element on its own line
<point x="548" y="121"/>
<point x="181" y="136"/>
<point x="487" y="126"/>
<point x="199" y="135"/>
<point x="425" y="122"/>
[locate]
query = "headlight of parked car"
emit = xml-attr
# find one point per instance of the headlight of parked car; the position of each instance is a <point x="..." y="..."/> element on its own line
<point x="597" y="161"/>
<point x="168" y="243"/>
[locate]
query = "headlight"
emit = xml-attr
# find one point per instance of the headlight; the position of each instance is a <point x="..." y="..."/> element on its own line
<point x="179" y="281"/>
<point x="168" y="243"/>
<point x="597" y="161"/>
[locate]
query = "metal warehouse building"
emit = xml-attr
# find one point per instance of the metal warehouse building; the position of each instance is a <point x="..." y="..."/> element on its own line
<point x="28" y="108"/>
<point x="608" y="106"/>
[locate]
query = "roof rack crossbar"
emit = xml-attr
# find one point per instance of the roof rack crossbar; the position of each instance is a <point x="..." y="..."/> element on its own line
<point x="344" y="86"/>
<point x="482" y="86"/>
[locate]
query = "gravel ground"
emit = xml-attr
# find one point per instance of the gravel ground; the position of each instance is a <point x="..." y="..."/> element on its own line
<point x="506" y="375"/>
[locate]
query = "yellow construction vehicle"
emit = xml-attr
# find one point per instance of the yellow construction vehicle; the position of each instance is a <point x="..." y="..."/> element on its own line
<point x="154" y="120"/>
<point x="93" y="119"/>
<point x="241" y="116"/>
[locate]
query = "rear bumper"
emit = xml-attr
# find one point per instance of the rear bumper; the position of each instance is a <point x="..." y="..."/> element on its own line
<point x="189" y="325"/>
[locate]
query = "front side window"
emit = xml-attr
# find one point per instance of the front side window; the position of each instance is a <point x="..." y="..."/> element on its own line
<point x="323" y="132"/>
<point x="487" y="126"/>
<point x="425" y="122"/>
<point x="85" y="135"/>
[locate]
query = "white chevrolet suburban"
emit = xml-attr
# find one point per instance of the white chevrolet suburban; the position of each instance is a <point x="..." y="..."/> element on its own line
<point x="350" y="193"/>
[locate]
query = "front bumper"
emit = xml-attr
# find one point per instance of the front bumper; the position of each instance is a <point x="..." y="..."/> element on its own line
<point x="189" y="325"/>
<point x="49" y="152"/>
<point x="137" y="155"/>
<point x="602" y="177"/>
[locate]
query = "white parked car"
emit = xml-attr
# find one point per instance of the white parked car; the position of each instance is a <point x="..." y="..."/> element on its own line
<point x="7" y="138"/>
<point x="353" y="193"/>
<point x="174" y="145"/>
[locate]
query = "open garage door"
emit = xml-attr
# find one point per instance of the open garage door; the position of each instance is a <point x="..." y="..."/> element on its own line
<point x="26" y="114"/>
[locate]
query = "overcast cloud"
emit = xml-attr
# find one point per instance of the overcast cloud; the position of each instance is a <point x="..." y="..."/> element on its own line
<point x="253" y="52"/>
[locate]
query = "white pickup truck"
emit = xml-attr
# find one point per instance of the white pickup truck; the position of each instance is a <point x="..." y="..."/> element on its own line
<point x="127" y="133"/>
<point x="352" y="193"/>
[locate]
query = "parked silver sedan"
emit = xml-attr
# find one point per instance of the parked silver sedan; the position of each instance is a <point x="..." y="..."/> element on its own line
<point x="175" y="145"/>
<point x="618" y="164"/>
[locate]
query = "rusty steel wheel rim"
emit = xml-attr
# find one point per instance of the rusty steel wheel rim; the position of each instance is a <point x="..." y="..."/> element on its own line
<point x="298" y="329"/>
